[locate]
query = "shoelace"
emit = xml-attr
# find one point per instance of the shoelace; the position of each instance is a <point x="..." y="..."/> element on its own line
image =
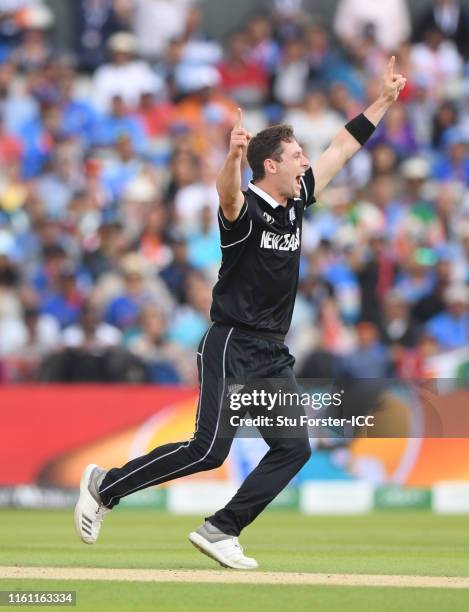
<point x="238" y="545"/>
<point x="101" y="511"/>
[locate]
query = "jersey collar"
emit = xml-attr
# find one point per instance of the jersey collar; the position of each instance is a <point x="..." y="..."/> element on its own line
<point x="264" y="195"/>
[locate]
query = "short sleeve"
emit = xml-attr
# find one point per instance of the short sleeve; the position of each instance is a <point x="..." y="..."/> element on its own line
<point x="234" y="232"/>
<point x="228" y="226"/>
<point x="307" y="188"/>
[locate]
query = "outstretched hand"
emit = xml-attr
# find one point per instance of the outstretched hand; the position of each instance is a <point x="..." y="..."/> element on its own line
<point x="393" y="83"/>
<point x="240" y="137"/>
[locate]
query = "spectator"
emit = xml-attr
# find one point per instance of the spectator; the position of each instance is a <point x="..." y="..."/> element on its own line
<point x="325" y="63"/>
<point x="40" y="135"/>
<point x="11" y="147"/>
<point x="34" y="50"/>
<point x="157" y="116"/>
<point x="13" y="190"/>
<point x="156" y="23"/>
<point x="396" y="131"/>
<point x="460" y="262"/>
<point x="94" y="22"/>
<point x="320" y="363"/>
<point x="109" y="248"/>
<point x="450" y="328"/>
<point x="151" y="244"/>
<point x="79" y="117"/>
<point x="90" y="333"/>
<point x="200" y="194"/>
<point x="9" y="277"/>
<point x="453" y="163"/>
<point x="243" y="79"/>
<point x="138" y="289"/>
<point x="204" y="244"/>
<point x="415" y="279"/>
<point x="176" y="273"/>
<point x="65" y="299"/>
<point x="433" y="304"/>
<point x="421" y="109"/>
<point x="192" y="319"/>
<point x="122" y="168"/>
<point x="57" y="187"/>
<point x="388" y="21"/>
<point x="264" y="50"/>
<point x="124" y="76"/>
<point x="375" y="270"/>
<point x="170" y="65"/>
<point x="120" y="122"/>
<point x="397" y="326"/>
<point x="382" y="194"/>
<point x="202" y="99"/>
<point x="25" y="341"/>
<point x="315" y="122"/>
<point x="292" y="74"/>
<point x="198" y="48"/>
<point x="167" y="362"/>
<point x="450" y="18"/>
<point x="445" y="118"/>
<point x="436" y="60"/>
<point x="371" y="359"/>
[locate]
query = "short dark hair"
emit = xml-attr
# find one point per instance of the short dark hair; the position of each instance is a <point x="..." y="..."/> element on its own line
<point x="267" y="144"/>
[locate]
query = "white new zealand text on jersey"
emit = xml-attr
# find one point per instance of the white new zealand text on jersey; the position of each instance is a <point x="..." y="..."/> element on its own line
<point x="280" y="242"/>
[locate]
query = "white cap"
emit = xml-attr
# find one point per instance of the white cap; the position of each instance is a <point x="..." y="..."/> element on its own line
<point x="415" y="168"/>
<point x="193" y="78"/>
<point x="457" y="294"/>
<point x="140" y="189"/>
<point x="38" y="17"/>
<point x="122" y="42"/>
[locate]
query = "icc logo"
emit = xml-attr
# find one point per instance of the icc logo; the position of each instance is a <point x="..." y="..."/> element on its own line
<point x="268" y="218"/>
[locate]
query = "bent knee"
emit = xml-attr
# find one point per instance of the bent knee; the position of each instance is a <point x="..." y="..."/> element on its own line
<point x="210" y="458"/>
<point x="300" y="449"/>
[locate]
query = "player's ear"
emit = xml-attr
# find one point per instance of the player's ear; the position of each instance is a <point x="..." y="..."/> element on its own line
<point x="270" y="166"/>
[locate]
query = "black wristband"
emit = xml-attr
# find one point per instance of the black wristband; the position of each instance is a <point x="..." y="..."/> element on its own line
<point x="360" y="128"/>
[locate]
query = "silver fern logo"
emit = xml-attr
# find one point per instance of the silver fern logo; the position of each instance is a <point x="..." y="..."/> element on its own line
<point x="235" y="388"/>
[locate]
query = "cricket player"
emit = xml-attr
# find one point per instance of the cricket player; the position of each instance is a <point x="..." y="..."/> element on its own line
<point x="253" y="301"/>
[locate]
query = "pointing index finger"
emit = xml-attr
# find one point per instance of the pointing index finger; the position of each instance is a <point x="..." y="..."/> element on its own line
<point x="391" y="66"/>
<point x="239" y="118"/>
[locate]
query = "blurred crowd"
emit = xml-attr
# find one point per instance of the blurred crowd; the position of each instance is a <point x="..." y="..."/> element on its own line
<point x="109" y="243"/>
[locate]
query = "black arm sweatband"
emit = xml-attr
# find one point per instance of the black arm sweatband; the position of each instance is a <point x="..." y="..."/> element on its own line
<point x="360" y="128"/>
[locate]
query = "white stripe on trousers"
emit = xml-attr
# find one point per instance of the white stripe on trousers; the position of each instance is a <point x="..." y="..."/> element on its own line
<point x="186" y="444"/>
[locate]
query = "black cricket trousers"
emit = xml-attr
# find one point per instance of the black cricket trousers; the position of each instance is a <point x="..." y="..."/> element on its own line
<point x="224" y="353"/>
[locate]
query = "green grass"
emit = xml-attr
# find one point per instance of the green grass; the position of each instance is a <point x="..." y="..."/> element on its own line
<point x="166" y="597"/>
<point x="380" y="543"/>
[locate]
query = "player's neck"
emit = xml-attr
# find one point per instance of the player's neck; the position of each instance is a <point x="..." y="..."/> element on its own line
<point x="272" y="192"/>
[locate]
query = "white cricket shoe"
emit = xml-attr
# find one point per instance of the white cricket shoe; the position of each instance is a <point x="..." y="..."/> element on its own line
<point x="89" y="511"/>
<point x="221" y="547"/>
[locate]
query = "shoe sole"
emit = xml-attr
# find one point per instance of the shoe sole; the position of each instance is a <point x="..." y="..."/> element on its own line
<point x="204" y="546"/>
<point x="85" y="478"/>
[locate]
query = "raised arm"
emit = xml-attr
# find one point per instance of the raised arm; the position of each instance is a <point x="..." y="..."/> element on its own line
<point x="345" y="145"/>
<point x="229" y="177"/>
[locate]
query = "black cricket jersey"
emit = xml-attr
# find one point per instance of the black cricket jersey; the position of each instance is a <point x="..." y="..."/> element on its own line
<point x="258" y="278"/>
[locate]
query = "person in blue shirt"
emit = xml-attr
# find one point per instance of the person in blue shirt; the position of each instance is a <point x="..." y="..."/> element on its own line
<point x="450" y="328"/>
<point x="453" y="163"/>
<point x="79" y="118"/>
<point x="119" y="122"/>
